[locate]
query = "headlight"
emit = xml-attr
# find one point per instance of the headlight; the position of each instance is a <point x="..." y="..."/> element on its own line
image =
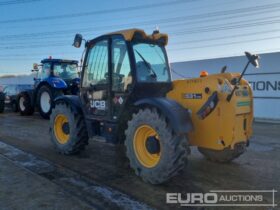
<point x="209" y="106"/>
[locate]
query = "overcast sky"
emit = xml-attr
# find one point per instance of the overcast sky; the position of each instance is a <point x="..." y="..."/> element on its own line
<point x="31" y="30"/>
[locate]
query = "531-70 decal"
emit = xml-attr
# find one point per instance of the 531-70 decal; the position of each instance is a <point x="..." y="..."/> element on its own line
<point x="192" y="95"/>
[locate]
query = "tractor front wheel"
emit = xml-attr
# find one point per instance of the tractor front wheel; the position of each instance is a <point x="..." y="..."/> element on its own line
<point x="67" y="129"/>
<point x="24" y="104"/>
<point x="223" y="156"/>
<point x="45" y="97"/>
<point x="155" y="151"/>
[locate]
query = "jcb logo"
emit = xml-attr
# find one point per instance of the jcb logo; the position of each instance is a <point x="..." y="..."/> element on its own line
<point x="100" y="105"/>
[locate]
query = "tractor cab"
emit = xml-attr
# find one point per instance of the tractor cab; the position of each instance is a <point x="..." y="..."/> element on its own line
<point x="64" y="69"/>
<point x="58" y="73"/>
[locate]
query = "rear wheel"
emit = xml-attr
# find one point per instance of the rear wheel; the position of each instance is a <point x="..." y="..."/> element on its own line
<point x="24" y="104"/>
<point x="155" y="151"/>
<point x="45" y="98"/>
<point x="223" y="156"/>
<point x="67" y="129"/>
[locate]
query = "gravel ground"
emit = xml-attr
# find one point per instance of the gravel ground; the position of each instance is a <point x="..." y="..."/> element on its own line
<point x="22" y="189"/>
<point x="257" y="169"/>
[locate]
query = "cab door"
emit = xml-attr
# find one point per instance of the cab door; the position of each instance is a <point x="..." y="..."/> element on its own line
<point x="121" y="76"/>
<point x="95" y="91"/>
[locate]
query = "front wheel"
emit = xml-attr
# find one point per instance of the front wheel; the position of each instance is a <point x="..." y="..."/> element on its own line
<point x="223" y="156"/>
<point x="25" y="105"/>
<point x="45" y="98"/>
<point x="155" y="151"/>
<point x="67" y="129"/>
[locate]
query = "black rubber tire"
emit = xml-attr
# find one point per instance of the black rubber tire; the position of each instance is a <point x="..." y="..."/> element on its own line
<point x="223" y="156"/>
<point x="77" y="128"/>
<point x="2" y="106"/>
<point x="28" y="108"/>
<point x="53" y="93"/>
<point x="173" y="147"/>
<point x="14" y="106"/>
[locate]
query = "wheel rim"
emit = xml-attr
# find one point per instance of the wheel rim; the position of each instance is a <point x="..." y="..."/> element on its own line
<point x="141" y="136"/>
<point x="61" y="132"/>
<point x="21" y="104"/>
<point x="45" y="102"/>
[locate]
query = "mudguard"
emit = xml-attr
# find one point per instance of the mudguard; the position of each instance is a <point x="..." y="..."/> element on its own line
<point x="178" y="116"/>
<point x="56" y="82"/>
<point x="72" y="100"/>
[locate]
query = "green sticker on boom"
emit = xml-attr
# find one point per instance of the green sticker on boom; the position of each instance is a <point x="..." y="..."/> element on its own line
<point x="243" y="103"/>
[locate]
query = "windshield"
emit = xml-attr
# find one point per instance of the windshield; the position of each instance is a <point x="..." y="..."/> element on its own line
<point x="66" y="70"/>
<point x="151" y="63"/>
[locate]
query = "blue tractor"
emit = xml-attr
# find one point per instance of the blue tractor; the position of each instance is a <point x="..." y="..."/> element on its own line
<point x="55" y="77"/>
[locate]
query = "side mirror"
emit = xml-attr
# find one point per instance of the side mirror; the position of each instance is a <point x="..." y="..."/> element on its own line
<point x="78" y="40"/>
<point x="253" y="59"/>
<point x="35" y="66"/>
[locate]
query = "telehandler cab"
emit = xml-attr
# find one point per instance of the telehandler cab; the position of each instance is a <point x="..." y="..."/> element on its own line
<point x="127" y="96"/>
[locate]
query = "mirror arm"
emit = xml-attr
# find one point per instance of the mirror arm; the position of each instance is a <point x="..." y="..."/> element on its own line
<point x="224" y="69"/>
<point x="239" y="79"/>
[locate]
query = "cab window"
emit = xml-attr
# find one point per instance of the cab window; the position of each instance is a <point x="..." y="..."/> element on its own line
<point x="46" y="70"/>
<point x="96" y="70"/>
<point x="121" y="78"/>
<point x="66" y="70"/>
<point x="151" y="63"/>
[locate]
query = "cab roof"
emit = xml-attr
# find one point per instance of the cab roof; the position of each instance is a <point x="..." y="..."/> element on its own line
<point x="134" y="33"/>
<point x="50" y="60"/>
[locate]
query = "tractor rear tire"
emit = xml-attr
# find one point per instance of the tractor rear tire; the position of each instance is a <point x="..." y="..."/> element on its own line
<point x="223" y="156"/>
<point x="24" y="105"/>
<point x="47" y="95"/>
<point x="159" y="163"/>
<point x="68" y="130"/>
<point x="2" y="106"/>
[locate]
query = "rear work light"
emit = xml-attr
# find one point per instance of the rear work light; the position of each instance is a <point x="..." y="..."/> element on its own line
<point x="209" y="106"/>
<point x="203" y="74"/>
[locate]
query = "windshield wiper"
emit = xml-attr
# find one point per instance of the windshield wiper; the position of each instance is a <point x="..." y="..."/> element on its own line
<point x="148" y="65"/>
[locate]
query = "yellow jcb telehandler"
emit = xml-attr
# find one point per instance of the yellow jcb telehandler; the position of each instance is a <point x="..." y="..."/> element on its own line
<point x="127" y="96"/>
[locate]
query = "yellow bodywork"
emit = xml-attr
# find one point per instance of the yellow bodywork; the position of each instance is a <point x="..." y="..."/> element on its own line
<point x="229" y="123"/>
<point x="129" y="34"/>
